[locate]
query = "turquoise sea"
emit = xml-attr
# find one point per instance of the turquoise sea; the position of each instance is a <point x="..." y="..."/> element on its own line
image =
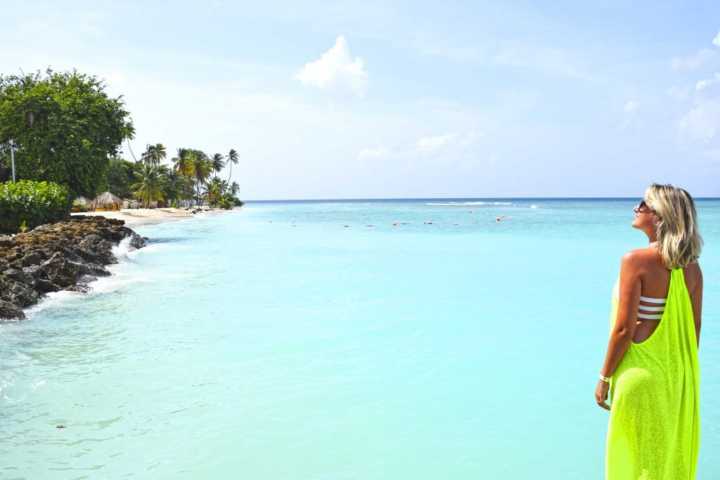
<point x="414" y="339"/>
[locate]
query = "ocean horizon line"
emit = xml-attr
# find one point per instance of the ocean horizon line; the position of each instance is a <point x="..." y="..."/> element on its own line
<point x="415" y="199"/>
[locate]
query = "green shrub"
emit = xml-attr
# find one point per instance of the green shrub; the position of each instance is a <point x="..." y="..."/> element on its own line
<point x="28" y="203"/>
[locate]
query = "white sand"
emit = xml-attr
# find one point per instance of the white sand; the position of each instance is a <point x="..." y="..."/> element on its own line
<point x="146" y="216"/>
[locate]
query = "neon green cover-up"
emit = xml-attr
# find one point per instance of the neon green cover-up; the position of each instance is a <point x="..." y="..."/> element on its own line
<point x="654" y="426"/>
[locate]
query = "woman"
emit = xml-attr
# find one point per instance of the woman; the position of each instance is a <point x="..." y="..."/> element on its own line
<point x="651" y="365"/>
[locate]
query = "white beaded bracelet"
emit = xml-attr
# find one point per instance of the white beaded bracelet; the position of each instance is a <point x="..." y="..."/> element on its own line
<point x="604" y="379"/>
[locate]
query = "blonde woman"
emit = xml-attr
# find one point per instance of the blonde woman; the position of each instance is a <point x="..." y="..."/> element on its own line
<point x="651" y="366"/>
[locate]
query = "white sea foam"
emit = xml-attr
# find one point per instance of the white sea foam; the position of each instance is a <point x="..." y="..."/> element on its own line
<point x="121" y="275"/>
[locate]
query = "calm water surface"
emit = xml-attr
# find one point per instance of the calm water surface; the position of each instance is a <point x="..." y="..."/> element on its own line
<point x="340" y="340"/>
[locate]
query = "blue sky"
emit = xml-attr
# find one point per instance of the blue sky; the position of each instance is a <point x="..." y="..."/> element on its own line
<point x="413" y="99"/>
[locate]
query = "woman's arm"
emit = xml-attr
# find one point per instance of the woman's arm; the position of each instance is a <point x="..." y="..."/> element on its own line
<point x="696" y="295"/>
<point x="626" y="320"/>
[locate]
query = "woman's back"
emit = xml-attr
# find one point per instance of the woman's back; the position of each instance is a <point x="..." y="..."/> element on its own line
<point x="655" y="283"/>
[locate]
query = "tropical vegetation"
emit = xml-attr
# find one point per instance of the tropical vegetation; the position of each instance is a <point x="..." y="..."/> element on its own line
<point x="65" y="127"/>
<point x="26" y="204"/>
<point x="66" y="132"/>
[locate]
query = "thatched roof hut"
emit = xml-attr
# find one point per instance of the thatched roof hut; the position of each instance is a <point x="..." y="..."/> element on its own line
<point x="106" y="201"/>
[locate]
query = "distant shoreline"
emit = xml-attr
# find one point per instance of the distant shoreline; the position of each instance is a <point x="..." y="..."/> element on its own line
<point x="134" y="217"/>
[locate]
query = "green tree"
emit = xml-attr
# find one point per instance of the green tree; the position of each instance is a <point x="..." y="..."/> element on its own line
<point x="119" y="177"/>
<point x="232" y="159"/>
<point x="149" y="185"/>
<point x="217" y="164"/>
<point x="195" y="165"/>
<point x="154" y="154"/>
<point x="175" y="185"/>
<point x="65" y="125"/>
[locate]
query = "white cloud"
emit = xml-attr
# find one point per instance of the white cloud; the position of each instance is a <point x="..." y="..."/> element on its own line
<point x="433" y="143"/>
<point x="631" y="106"/>
<point x="374" y="153"/>
<point x="553" y="61"/>
<point x="336" y="69"/>
<point x="702" y="122"/>
<point x="693" y="61"/>
<point x="707" y="83"/>
<point x="716" y="40"/>
<point x="437" y="143"/>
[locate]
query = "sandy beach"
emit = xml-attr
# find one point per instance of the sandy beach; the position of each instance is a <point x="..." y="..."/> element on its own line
<point x="146" y="216"/>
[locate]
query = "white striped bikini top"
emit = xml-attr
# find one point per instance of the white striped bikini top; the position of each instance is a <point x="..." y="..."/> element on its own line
<point x="647" y="308"/>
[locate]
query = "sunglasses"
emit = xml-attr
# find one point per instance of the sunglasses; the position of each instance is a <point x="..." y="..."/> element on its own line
<point x="643" y="207"/>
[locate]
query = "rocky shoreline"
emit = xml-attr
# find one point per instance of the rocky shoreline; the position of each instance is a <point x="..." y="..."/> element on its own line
<point x="65" y="255"/>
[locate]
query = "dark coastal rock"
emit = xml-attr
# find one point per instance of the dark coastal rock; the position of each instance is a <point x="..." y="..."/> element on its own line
<point x="136" y="241"/>
<point x="32" y="258"/>
<point x="66" y="255"/>
<point x="6" y="241"/>
<point x="17" y="293"/>
<point x="10" y="311"/>
<point x="19" y="276"/>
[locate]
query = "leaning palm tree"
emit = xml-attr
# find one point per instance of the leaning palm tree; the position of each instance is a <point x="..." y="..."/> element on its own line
<point x="149" y="187"/>
<point x="154" y="154"/>
<point x="232" y="159"/>
<point x="217" y="164"/>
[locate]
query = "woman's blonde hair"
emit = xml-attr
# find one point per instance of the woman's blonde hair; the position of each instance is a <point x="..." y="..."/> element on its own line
<point x="678" y="238"/>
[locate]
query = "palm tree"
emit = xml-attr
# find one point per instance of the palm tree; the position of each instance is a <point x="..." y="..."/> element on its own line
<point x="202" y="166"/>
<point x="149" y="187"/>
<point x="217" y="164"/>
<point x="182" y="163"/>
<point x="215" y="191"/>
<point x="154" y="154"/>
<point x="232" y="158"/>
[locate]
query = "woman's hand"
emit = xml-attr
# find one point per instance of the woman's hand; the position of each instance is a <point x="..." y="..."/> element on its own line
<point x="601" y="394"/>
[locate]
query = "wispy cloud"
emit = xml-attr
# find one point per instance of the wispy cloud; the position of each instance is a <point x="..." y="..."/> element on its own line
<point x="434" y="143"/>
<point x="431" y="145"/>
<point x="336" y="69"/>
<point x="631" y="106"/>
<point x="716" y="40"/>
<point x="702" y="122"/>
<point x="693" y="61"/>
<point x="374" y="153"/>
<point x="549" y="60"/>
<point x="707" y="83"/>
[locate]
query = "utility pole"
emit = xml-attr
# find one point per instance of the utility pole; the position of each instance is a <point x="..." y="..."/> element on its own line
<point x="12" y="158"/>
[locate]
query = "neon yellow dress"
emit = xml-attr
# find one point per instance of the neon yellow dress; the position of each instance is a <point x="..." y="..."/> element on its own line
<point x="654" y="427"/>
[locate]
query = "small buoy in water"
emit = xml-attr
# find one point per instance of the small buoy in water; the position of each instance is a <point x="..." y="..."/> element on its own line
<point x="60" y="426"/>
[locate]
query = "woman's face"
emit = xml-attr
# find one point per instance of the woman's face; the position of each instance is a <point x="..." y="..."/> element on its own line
<point x="645" y="217"/>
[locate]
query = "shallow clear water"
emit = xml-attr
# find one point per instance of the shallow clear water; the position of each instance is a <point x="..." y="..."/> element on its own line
<point x="274" y="342"/>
